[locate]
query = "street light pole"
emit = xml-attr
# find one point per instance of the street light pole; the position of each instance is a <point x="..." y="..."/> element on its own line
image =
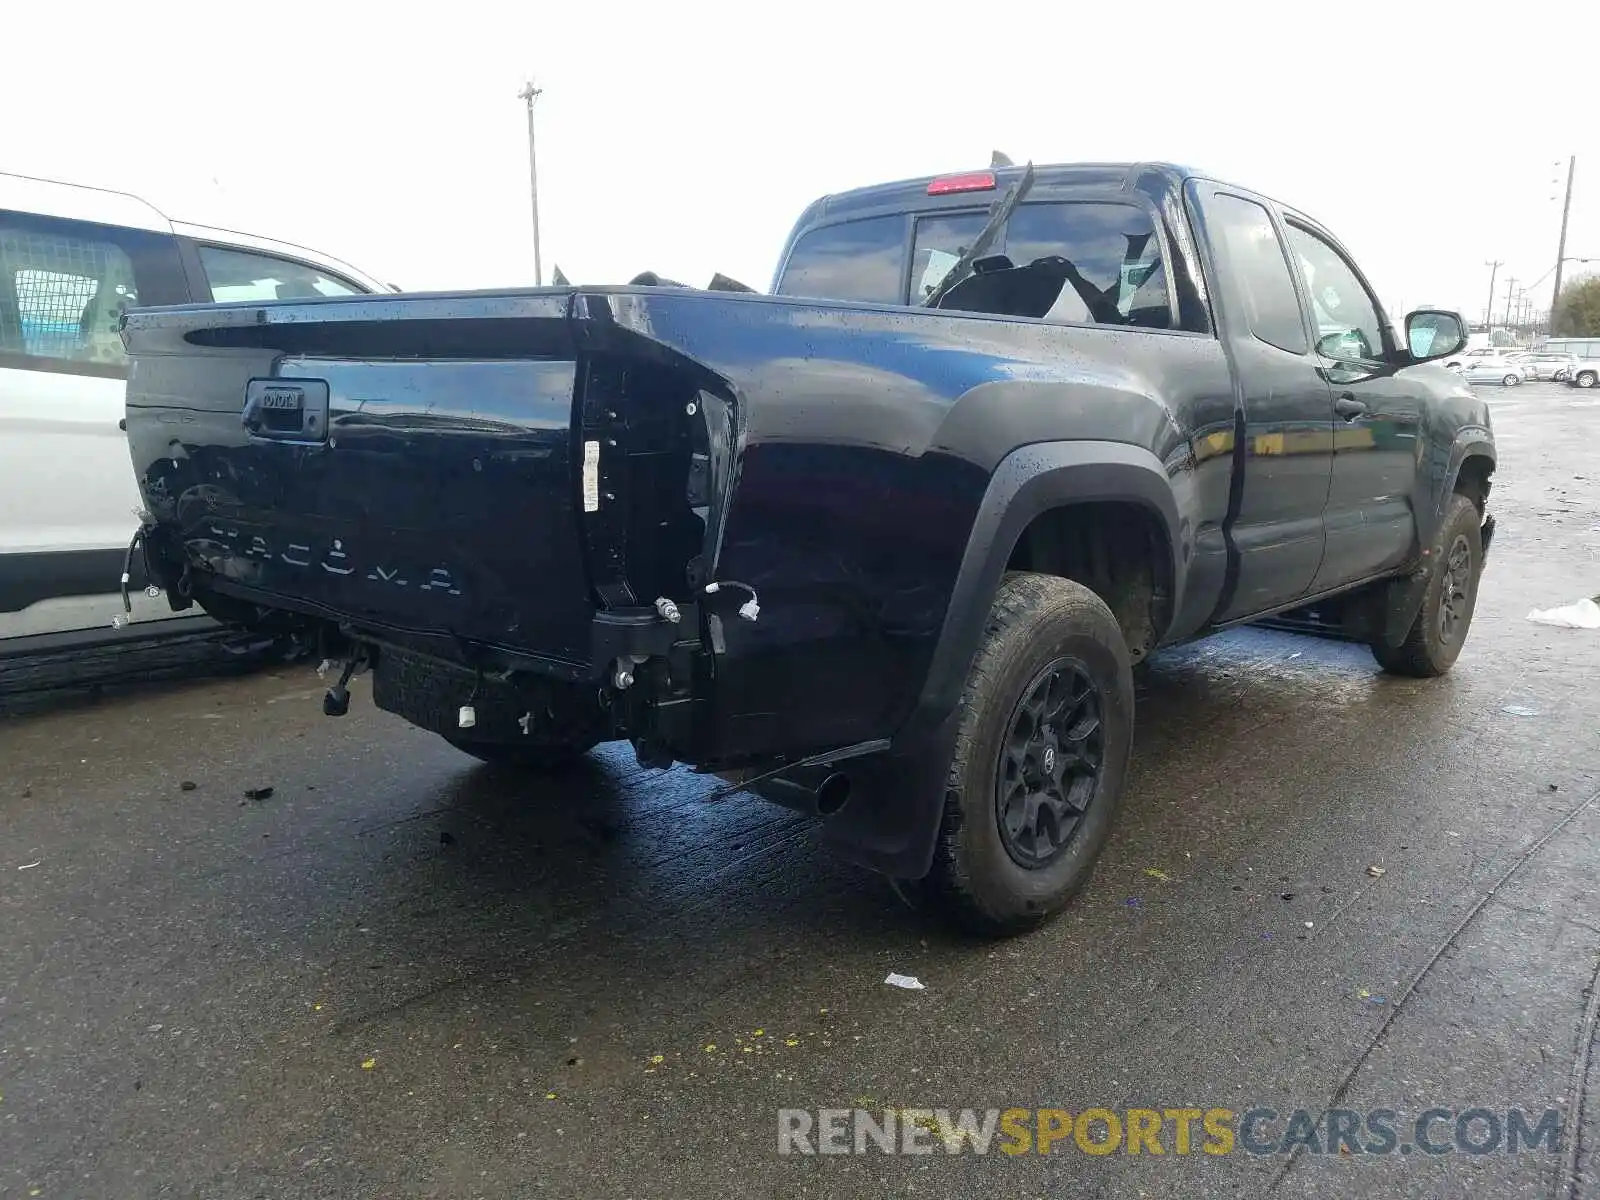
<point x="530" y="93"/>
<point x="1561" y="249"/>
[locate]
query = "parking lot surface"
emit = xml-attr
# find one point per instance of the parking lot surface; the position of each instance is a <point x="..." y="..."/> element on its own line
<point x="405" y="974"/>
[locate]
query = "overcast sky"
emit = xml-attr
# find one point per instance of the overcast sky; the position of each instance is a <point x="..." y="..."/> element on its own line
<point x="685" y="137"/>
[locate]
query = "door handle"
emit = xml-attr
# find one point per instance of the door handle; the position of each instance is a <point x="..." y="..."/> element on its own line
<point x="1348" y="407"/>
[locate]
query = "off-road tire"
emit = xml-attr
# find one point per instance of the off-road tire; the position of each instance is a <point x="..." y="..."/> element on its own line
<point x="547" y="758"/>
<point x="1426" y="651"/>
<point x="1036" y="623"/>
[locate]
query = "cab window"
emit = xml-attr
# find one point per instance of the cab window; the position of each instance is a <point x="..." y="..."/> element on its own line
<point x="1348" y="325"/>
<point x="862" y="261"/>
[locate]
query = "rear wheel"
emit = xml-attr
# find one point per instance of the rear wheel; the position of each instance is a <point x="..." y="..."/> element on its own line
<point x="1047" y="725"/>
<point x="1512" y="380"/>
<point x="1436" y="636"/>
<point x="1585" y="379"/>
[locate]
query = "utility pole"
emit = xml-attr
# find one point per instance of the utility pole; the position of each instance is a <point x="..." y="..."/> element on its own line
<point x="1561" y="249"/>
<point x="1488" y="309"/>
<point x="530" y="94"/>
<point x="1511" y="286"/>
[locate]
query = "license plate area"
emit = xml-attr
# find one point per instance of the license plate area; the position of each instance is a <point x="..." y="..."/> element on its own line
<point x="287" y="410"/>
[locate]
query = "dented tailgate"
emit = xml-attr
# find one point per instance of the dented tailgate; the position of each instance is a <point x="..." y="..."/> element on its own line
<point x="393" y="461"/>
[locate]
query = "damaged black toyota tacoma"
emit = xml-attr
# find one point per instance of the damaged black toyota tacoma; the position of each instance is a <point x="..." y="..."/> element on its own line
<point x="886" y="543"/>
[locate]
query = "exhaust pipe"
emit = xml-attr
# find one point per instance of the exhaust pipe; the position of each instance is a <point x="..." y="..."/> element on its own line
<point x="820" y="799"/>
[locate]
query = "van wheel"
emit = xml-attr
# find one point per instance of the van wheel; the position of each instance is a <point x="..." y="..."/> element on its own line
<point x="1435" y="639"/>
<point x="1585" y="379"/>
<point x="549" y="757"/>
<point x="1040" y="758"/>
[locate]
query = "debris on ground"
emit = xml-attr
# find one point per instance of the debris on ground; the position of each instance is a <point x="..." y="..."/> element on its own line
<point x="446" y="838"/>
<point x="910" y="982"/>
<point x="1519" y="710"/>
<point x="188" y="785"/>
<point x="1377" y="872"/>
<point x="258" y="793"/>
<point x="1157" y="874"/>
<point x="30" y="866"/>
<point x="1581" y="614"/>
<point x="27" y="793"/>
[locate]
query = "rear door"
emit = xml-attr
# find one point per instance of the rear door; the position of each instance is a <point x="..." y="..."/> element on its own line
<point x="1377" y="415"/>
<point x="1285" y="416"/>
<point x="67" y="492"/>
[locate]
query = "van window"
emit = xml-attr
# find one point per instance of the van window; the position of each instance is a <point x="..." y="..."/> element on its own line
<point x="64" y="286"/>
<point x="61" y="296"/>
<point x="241" y="275"/>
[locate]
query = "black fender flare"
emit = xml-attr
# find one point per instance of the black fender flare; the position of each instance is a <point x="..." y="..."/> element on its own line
<point x="1029" y="481"/>
<point x="896" y="833"/>
<point x="1472" y="442"/>
<point x="1403" y="597"/>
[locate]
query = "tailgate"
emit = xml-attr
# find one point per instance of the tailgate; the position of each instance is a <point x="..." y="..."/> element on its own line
<point x="402" y="463"/>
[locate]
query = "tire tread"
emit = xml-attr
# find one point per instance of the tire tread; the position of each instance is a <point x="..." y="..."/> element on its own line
<point x="1021" y="602"/>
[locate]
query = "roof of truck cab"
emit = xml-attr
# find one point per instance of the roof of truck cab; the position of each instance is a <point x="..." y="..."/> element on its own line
<point x="1048" y="178"/>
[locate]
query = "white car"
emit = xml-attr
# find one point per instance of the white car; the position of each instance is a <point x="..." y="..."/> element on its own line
<point x="1504" y="371"/>
<point x="72" y="259"/>
<point x="1584" y="372"/>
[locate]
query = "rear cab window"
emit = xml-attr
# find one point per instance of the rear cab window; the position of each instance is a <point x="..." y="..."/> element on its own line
<point x="861" y="261"/>
<point x="1088" y="261"/>
<point x="65" y="284"/>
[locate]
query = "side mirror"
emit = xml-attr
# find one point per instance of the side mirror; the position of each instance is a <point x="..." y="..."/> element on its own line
<point x="1434" y="333"/>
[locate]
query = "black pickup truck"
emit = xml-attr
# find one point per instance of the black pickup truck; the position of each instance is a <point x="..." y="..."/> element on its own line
<point x="886" y="544"/>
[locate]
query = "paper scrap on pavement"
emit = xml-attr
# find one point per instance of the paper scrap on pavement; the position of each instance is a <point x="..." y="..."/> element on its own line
<point x="1585" y="614"/>
<point x="910" y="982"/>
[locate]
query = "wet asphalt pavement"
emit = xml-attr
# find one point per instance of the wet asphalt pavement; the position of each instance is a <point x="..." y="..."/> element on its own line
<point x="404" y="974"/>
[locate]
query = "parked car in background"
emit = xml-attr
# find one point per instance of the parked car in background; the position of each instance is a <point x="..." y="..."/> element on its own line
<point x="1544" y="365"/>
<point x="72" y="259"/>
<point x="1461" y="358"/>
<point x="1493" y="369"/>
<point x="1584" y="372"/>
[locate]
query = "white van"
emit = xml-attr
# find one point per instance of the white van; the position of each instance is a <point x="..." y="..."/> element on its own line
<point x="71" y="260"/>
